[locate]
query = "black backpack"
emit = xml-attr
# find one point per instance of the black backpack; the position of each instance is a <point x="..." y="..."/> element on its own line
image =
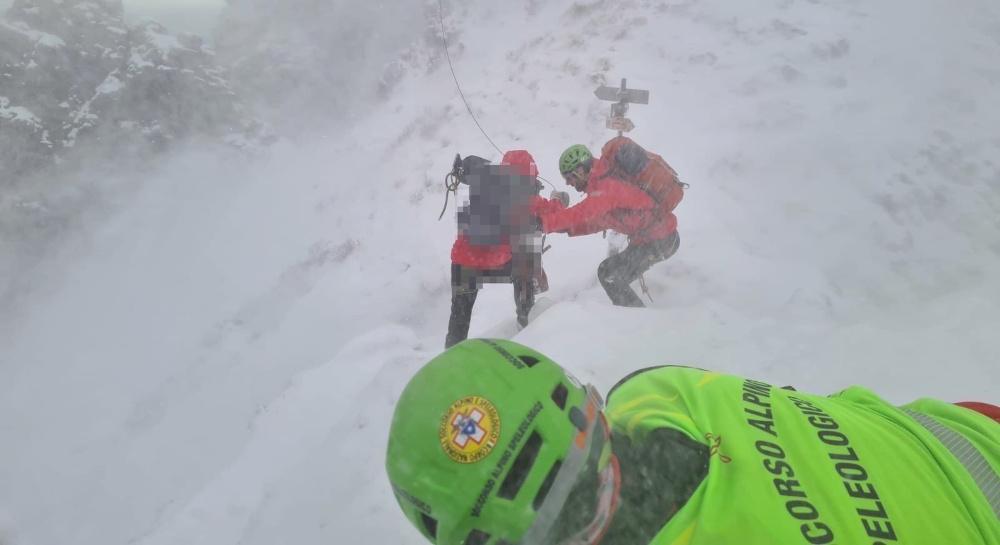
<point x="498" y="205"/>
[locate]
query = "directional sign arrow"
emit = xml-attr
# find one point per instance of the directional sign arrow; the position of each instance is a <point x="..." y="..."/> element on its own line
<point x="632" y="96"/>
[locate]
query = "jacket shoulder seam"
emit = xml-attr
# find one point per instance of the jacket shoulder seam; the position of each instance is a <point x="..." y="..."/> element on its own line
<point x="638" y="372"/>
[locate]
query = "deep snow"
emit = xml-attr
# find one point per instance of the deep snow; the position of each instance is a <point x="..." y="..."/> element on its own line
<point x="217" y="361"/>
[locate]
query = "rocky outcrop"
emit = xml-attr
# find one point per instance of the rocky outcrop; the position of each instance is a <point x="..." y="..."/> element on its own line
<point x="73" y="74"/>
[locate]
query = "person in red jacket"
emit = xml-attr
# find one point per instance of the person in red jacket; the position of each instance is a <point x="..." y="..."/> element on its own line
<point x="630" y="191"/>
<point x="495" y="242"/>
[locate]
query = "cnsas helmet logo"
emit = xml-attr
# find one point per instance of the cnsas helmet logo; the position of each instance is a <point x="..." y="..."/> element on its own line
<point x="469" y="429"/>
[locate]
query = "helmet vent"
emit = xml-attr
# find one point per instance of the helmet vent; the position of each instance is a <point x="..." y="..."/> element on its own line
<point x="521" y="467"/>
<point x="546" y="485"/>
<point x="530" y="361"/>
<point x="559" y="395"/>
<point x="476" y="537"/>
<point x="430" y="525"/>
<point x="578" y="419"/>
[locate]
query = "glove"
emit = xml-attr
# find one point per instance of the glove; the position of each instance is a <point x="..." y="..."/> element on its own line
<point x="560" y="196"/>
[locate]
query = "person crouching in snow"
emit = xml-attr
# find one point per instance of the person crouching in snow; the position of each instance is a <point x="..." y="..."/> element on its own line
<point x="631" y="191"/>
<point x="493" y="443"/>
<point x="496" y="237"/>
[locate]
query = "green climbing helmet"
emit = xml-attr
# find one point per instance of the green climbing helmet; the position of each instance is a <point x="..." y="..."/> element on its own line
<point x="574" y="156"/>
<point x="487" y="443"/>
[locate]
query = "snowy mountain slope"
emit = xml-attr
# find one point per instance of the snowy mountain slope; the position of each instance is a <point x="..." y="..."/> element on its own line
<point x="218" y="362"/>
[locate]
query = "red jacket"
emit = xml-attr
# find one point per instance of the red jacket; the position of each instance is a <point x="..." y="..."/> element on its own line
<point x="612" y="204"/>
<point x="479" y="257"/>
<point x="495" y="257"/>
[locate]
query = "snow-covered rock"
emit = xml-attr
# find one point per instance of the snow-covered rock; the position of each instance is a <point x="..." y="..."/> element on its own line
<point x="72" y="73"/>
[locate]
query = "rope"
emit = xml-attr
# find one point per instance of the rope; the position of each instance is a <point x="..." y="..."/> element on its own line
<point x="548" y="182"/>
<point x="444" y="40"/>
<point x="451" y="186"/>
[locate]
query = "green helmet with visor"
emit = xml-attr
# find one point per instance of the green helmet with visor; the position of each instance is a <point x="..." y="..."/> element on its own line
<point x="492" y="443"/>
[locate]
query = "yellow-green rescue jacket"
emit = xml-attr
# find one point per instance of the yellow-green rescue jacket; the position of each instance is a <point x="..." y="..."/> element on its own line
<point x="789" y="468"/>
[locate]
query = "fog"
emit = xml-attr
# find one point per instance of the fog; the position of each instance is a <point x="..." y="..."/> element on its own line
<point x="284" y="71"/>
<point x="195" y="16"/>
<point x="220" y="260"/>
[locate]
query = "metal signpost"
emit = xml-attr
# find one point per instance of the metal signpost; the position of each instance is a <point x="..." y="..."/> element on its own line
<point x="622" y="97"/>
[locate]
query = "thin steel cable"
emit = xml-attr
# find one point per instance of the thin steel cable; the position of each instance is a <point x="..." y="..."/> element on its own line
<point x="444" y="41"/>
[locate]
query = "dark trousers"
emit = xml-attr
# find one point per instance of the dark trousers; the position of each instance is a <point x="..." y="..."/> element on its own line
<point x="465" y="284"/>
<point x="620" y="270"/>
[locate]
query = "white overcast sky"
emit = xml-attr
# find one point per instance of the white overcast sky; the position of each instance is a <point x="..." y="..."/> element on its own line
<point x="197" y="16"/>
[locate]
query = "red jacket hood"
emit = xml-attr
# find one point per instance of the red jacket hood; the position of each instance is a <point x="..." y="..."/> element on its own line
<point x="599" y="169"/>
<point x="522" y="162"/>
